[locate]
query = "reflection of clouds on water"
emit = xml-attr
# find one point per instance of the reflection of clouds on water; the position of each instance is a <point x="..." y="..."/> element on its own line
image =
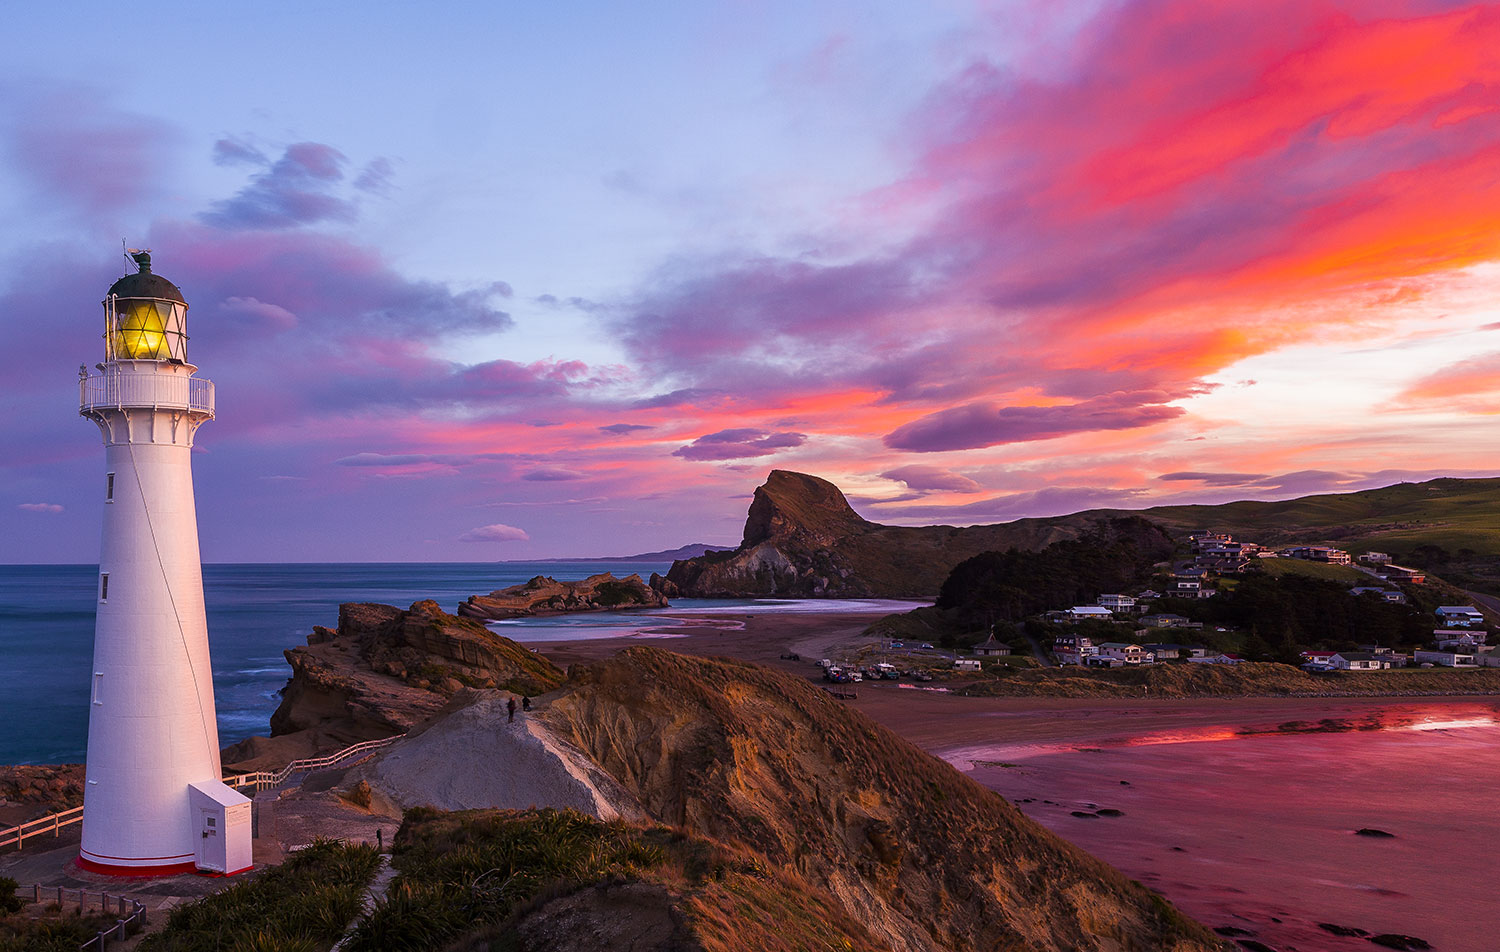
<point x="1452" y="724"/>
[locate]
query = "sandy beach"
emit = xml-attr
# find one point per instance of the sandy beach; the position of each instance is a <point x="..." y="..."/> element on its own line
<point x="1242" y="811"/>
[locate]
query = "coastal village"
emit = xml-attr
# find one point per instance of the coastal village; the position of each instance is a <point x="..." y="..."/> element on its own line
<point x="1126" y="630"/>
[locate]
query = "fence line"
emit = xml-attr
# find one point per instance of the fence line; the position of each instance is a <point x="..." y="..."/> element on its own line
<point x="133" y="913"/>
<point x="259" y="780"/>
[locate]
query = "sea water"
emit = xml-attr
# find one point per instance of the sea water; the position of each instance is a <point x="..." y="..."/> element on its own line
<point x="255" y="612"/>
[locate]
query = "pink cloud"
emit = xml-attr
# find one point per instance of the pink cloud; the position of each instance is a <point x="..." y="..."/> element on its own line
<point x="740" y="443"/>
<point x="922" y="477"/>
<point x="499" y="532"/>
<point x="50" y="507"/>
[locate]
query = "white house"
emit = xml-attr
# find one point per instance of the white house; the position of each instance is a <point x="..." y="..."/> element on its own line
<point x="1081" y="612"/>
<point x="1446" y="659"/>
<point x="967" y="664"/>
<point x="1318" y="553"/>
<point x="1116" y="603"/>
<point x="1217" y="659"/>
<point x="1358" y="661"/>
<point x="1125" y="653"/>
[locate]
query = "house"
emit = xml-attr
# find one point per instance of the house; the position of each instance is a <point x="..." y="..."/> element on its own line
<point x="1073" y="649"/>
<point x="1217" y="659"/>
<point x="990" y="648"/>
<point x="967" y="664"/>
<point x="1401" y="573"/>
<point x="1490" y="659"/>
<point x="1375" y="558"/>
<point x="1358" y="661"/>
<point x="1181" y="587"/>
<point x="1446" y="659"/>
<point x="1318" y="659"/>
<point x="1318" y="553"/>
<point x="1081" y="612"/>
<point x="1460" y="616"/>
<point x="1166" y="620"/>
<point x="1125" y="653"/>
<point x="1115" y="603"/>
<point x="1386" y="594"/>
<point x="1459" y="639"/>
<point x="1167" y="652"/>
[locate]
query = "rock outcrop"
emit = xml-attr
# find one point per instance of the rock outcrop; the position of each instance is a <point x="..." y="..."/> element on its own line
<point x="383" y="671"/>
<point x="920" y="854"/>
<point x="802" y="539"/>
<point x="547" y="596"/>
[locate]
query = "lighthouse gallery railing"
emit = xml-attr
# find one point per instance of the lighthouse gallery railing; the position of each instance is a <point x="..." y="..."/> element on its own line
<point x="169" y="391"/>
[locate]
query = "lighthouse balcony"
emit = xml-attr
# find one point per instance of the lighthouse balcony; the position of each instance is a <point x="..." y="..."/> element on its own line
<point x="170" y="391"/>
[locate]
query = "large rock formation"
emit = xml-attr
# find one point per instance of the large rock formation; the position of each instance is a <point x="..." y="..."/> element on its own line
<point x="923" y="856"/>
<point x="383" y="671"/>
<point x="803" y="539"/>
<point x="547" y="596"/>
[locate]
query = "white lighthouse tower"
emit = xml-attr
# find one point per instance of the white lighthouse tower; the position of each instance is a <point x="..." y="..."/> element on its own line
<point x="153" y="799"/>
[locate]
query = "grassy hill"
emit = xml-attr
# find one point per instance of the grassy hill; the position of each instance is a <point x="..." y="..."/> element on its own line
<point x="1453" y="514"/>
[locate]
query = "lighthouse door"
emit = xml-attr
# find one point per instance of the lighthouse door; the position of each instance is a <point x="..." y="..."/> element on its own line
<point x="210" y="845"/>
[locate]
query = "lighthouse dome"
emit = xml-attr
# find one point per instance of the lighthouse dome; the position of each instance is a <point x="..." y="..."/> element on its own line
<point x="144" y="284"/>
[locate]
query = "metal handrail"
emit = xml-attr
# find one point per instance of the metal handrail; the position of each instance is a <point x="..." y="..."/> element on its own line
<point x="259" y="780"/>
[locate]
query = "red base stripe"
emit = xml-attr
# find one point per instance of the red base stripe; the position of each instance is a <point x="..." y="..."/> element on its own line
<point x="109" y="869"/>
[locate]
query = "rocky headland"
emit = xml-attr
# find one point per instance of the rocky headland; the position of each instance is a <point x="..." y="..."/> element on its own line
<point x="547" y="596"/>
<point x="803" y="539"/>
<point x="760" y="780"/>
<point x="383" y="671"/>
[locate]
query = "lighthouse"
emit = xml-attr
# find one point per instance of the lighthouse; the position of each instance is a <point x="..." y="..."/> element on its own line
<point x="153" y="799"/>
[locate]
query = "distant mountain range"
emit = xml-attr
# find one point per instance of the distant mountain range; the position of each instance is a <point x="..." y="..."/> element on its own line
<point x="669" y="555"/>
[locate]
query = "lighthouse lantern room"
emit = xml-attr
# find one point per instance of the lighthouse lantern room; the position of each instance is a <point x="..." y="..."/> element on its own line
<point x="153" y="752"/>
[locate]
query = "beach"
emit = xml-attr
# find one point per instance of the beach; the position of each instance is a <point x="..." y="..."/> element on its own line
<point x="1241" y="811"/>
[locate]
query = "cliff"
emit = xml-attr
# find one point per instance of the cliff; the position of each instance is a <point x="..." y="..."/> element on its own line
<point x="802" y="539"/>
<point x="924" y="857"/>
<point x="548" y="596"/>
<point x="383" y="671"/>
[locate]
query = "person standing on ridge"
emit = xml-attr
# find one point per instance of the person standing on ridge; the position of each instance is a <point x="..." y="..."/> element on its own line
<point x="526" y="703"/>
<point x="510" y="708"/>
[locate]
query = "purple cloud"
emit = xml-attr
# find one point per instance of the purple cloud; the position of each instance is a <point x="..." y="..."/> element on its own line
<point x="620" y="429"/>
<point x="921" y="477"/>
<point x="499" y="532"/>
<point x="294" y="190"/>
<point x="739" y="443"/>
<point x="547" y="474"/>
<point x="40" y="507"/>
<point x="984" y="424"/>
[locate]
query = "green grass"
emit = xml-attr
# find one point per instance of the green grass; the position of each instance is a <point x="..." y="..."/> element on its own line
<point x="303" y="905"/>
<point x="1324" y="570"/>
<point x="1452" y="513"/>
<point x="462" y="870"/>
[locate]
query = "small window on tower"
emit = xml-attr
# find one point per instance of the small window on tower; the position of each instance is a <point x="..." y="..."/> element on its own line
<point x="98" y="677"/>
<point x="109" y="487"/>
<point x="104" y="587"/>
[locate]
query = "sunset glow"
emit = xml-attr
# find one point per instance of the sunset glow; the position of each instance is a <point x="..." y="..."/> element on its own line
<point x="974" y="264"/>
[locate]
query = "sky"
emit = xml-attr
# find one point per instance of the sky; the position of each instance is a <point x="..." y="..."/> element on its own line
<point x="523" y="281"/>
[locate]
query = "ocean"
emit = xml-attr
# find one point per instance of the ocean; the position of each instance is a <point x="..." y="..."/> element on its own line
<point x="255" y="612"/>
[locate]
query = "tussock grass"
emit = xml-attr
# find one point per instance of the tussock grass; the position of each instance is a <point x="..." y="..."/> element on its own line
<point x="303" y="905"/>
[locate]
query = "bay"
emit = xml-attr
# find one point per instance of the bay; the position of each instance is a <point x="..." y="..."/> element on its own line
<point x="255" y="612"/>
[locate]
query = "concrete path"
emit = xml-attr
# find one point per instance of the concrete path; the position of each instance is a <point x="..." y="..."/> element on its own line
<point x="376" y="892"/>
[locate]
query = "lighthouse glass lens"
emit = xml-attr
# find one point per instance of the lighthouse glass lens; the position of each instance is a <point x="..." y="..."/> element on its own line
<point x="141" y="330"/>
